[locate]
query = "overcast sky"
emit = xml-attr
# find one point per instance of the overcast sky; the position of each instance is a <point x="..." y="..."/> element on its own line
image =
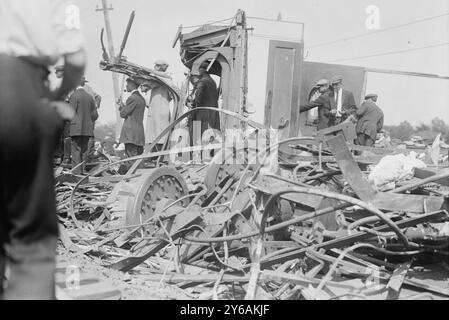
<point x="402" y="98"/>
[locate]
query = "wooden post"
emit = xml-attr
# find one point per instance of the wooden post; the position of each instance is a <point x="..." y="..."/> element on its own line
<point x="115" y="82"/>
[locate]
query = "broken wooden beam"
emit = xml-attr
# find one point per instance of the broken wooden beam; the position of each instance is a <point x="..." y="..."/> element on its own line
<point x="184" y="220"/>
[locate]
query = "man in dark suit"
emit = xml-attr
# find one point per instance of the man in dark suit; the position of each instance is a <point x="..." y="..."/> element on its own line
<point x="322" y="102"/>
<point x="133" y="133"/>
<point x="370" y="121"/>
<point x="206" y="96"/>
<point x="342" y="101"/>
<point x="82" y="126"/>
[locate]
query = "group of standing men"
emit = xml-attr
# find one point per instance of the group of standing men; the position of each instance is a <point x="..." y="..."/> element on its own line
<point x="331" y="105"/>
<point x="133" y="135"/>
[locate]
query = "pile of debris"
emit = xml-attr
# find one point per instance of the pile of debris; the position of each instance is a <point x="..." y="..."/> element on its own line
<point x="312" y="226"/>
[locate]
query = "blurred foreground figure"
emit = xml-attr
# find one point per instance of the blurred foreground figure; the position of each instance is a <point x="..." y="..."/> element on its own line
<point x="33" y="36"/>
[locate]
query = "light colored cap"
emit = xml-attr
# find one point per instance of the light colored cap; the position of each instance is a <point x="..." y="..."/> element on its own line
<point x="336" y="79"/>
<point x="132" y="80"/>
<point x="161" y="63"/>
<point x="371" y="95"/>
<point x="322" y="82"/>
<point x="195" y="73"/>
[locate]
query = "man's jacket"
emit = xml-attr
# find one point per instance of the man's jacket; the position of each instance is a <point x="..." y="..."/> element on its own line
<point x="370" y="119"/>
<point x="85" y="114"/>
<point x="324" y="110"/>
<point x="133" y="131"/>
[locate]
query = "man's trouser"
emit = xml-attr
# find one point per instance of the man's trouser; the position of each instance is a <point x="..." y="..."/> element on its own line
<point x="67" y="151"/>
<point x="364" y="140"/>
<point x="88" y="157"/>
<point x="67" y="143"/>
<point x="79" y="151"/>
<point x="28" y="228"/>
<point x="157" y="148"/>
<point x="131" y="150"/>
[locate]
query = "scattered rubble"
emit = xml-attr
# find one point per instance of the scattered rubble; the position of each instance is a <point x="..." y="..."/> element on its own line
<point x="315" y="228"/>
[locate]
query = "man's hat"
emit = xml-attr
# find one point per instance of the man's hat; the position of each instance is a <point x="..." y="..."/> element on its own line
<point x="204" y="65"/>
<point x="132" y="80"/>
<point x="336" y="79"/>
<point x="194" y="73"/>
<point x="161" y="63"/>
<point x="321" y="83"/>
<point x="371" y="95"/>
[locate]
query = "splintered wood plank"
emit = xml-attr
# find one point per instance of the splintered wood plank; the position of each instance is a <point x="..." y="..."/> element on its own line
<point x="428" y="172"/>
<point x="396" y="281"/>
<point x="407" y="202"/>
<point x="267" y="275"/>
<point x="268" y="185"/>
<point x="434" y="278"/>
<point x="350" y="168"/>
<point x="182" y="221"/>
<point x="199" y="278"/>
<point x="64" y="236"/>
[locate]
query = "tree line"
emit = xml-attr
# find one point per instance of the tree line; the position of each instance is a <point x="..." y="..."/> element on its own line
<point x="404" y="131"/>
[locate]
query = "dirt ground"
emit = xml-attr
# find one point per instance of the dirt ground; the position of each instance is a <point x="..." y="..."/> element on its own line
<point x="131" y="287"/>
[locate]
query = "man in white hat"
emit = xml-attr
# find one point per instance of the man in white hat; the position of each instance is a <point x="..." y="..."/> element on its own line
<point x="161" y="66"/>
<point x="320" y="88"/>
<point x="158" y="118"/>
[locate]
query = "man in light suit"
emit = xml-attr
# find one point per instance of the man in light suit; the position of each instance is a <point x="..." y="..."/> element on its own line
<point x="133" y="133"/>
<point x="159" y="107"/>
<point x="342" y="101"/>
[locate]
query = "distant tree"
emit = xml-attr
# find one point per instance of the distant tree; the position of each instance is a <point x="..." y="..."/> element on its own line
<point x="438" y="125"/>
<point x="105" y="133"/>
<point x="403" y="131"/>
<point x="423" y="127"/>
